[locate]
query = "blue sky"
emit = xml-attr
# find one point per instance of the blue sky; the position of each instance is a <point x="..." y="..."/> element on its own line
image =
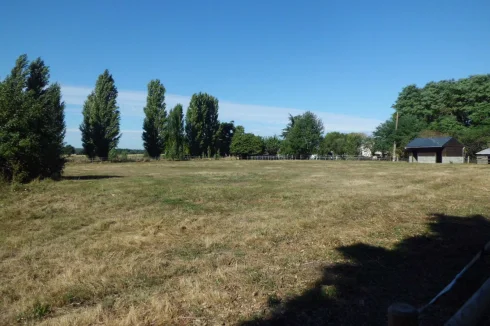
<point x="344" y="60"/>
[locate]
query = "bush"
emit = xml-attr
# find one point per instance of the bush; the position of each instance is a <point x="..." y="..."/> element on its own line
<point x="112" y="155"/>
<point x="123" y="157"/>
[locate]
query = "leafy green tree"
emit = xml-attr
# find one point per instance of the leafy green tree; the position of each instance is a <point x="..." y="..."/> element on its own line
<point x="32" y="125"/>
<point x="201" y="124"/>
<point x="272" y="145"/>
<point x="334" y="143"/>
<point x="475" y="139"/>
<point x="155" y="119"/>
<point x="302" y="136"/>
<point x="100" y="126"/>
<point x="68" y="150"/>
<point x="354" y="143"/>
<point x="409" y="127"/>
<point x="175" y="133"/>
<point x="289" y="126"/>
<point x="245" y="144"/>
<point x="224" y="137"/>
<point x="459" y="108"/>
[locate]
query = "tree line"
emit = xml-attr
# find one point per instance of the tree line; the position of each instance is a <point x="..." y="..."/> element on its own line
<point x="458" y="108"/>
<point x="32" y="126"/>
<point x="200" y="132"/>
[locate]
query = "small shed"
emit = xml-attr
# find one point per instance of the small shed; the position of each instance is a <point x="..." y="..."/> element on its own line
<point x="435" y="150"/>
<point x="483" y="157"/>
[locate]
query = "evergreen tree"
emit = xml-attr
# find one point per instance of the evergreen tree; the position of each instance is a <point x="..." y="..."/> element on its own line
<point x="302" y="136"/>
<point x="155" y="119"/>
<point x="224" y="137"/>
<point x="32" y="125"/>
<point x="201" y="124"/>
<point x="245" y="144"/>
<point x="100" y="126"/>
<point x="272" y="145"/>
<point x="175" y="133"/>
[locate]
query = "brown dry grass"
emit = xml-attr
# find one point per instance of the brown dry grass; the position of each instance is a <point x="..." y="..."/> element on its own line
<point x="207" y="242"/>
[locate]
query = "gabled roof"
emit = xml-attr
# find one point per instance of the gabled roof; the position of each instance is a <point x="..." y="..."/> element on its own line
<point x="436" y="142"/>
<point x="484" y="152"/>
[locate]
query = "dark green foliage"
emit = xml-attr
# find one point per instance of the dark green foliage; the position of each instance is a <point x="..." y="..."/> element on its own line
<point x="224" y="137"/>
<point x="245" y="144"/>
<point x="175" y="133"/>
<point x="100" y="126"/>
<point x="302" y="136"/>
<point x="333" y="143"/>
<point x="336" y="143"/>
<point x="130" y="151"/>
<point x="32" y="125"/>
<point x="68" y="150"/>
<point x="459" y="108"/>
<point x="353" y="143"/>
<point x="155" y="119"/>
<point x="201" y="124"/>
<point x="475" y="139"/>
<point x="272" y="145"/>
<point x="409" y="127"/>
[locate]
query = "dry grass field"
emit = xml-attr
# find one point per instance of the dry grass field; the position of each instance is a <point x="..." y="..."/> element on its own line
<point x="237" y="242"/>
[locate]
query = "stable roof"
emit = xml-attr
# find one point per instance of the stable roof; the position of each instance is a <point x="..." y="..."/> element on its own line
<point x="436" y="142"/>
<point x="484" y="152"/>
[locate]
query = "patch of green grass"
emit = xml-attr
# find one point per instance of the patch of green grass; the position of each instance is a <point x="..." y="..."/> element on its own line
<point x="38" y="311"/>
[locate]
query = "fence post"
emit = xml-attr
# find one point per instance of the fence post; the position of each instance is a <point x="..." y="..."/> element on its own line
<point x="402" y="314"/>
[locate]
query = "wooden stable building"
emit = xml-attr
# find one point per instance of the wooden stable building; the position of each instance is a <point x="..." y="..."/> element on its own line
<point x="483" y="157"/>
<point x="435" y="150"/>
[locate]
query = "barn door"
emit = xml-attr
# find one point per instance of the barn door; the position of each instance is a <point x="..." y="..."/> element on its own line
<point x="439" y="157"/>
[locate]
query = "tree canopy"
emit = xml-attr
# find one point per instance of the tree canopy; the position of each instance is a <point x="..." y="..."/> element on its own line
<point x="100" y="126"/>
<point x="32" y="123"/>
<point x="245" y="144"/>
<point x="459" y="108"/>
<point x="201" y="124"/>
<point x="175" y="133"/>
<point x="224" y="137"/>
<point x="155" y="116"/>
<point x="302" y="135"/>
<point x="272" y="145"/>
<point x="409" y="127"/>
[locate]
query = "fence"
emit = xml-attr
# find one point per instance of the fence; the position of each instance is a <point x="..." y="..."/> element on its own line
<point x="128" y="158"/>
<point x="322" y="158"/>
<point x="142" y="158"/>
<point x="121" y="158"/>
<point x="402" y="314"/>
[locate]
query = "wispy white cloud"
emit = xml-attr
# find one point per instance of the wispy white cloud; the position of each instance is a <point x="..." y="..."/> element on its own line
<point x="263" y="120"/>
<point x="131" y="103"/>
<point x="124" y="131"/>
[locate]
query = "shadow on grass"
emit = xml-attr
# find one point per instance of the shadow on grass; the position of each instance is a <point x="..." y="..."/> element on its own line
<point x="359" y="292"/>
<point x="89" y="177"/>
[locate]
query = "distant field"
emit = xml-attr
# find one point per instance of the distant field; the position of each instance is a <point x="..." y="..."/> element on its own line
<point x="237" y="242"/>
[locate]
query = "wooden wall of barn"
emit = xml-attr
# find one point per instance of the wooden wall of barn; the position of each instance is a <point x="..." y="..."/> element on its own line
<point x="453" y="149"/>
<point x="483" y="159"/>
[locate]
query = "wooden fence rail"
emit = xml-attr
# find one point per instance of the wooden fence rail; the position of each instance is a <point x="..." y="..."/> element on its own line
<point x="402" y="314"/>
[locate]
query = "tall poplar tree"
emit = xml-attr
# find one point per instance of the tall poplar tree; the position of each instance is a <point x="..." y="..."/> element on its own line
<point x="100" y="126"/>
<point x="175" y="133"/>
<point x="201" y="124"/>
<point x="155" y="119"/>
